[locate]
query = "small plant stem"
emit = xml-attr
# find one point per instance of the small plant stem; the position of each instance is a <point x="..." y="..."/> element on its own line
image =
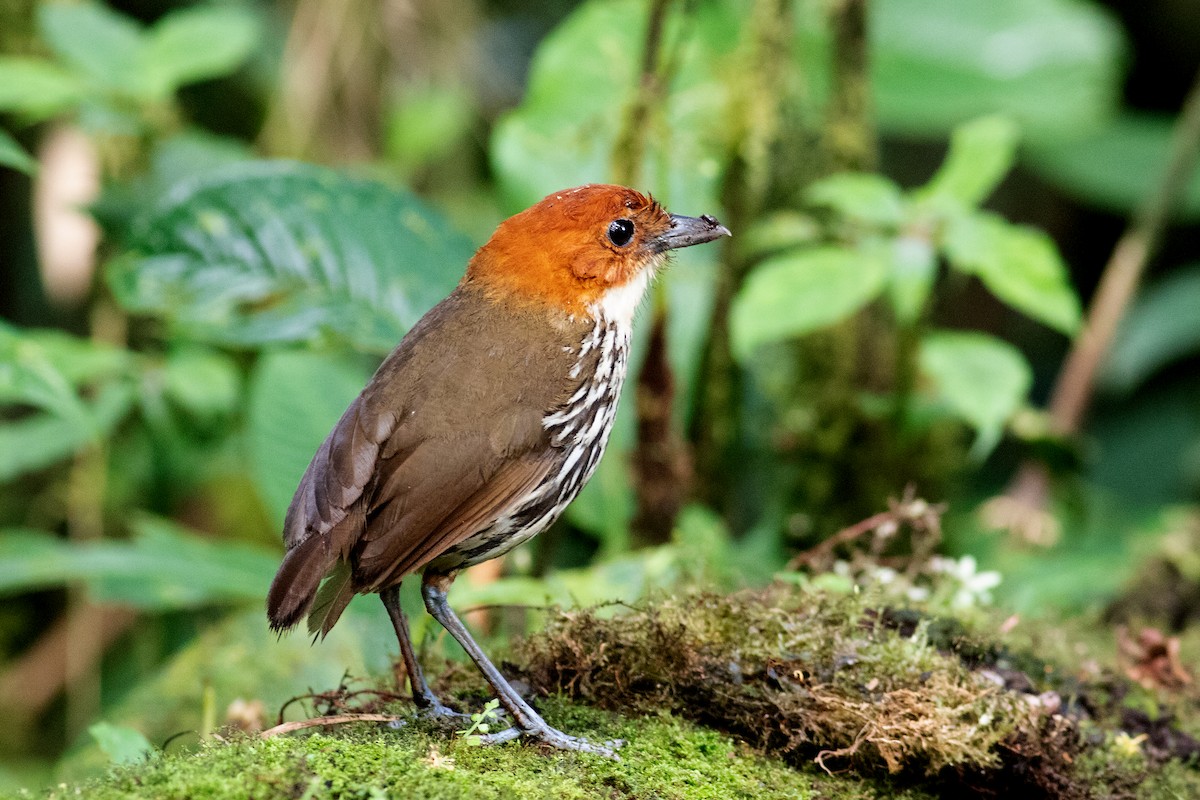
<point x="1123" y="272"/>
<point x="1029" y="488"/>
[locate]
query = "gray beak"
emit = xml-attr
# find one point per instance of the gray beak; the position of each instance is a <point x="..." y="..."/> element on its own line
<point x="687" y="231"/>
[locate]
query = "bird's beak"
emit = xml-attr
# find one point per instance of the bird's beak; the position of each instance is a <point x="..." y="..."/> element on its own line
<point x="687" y="231"/>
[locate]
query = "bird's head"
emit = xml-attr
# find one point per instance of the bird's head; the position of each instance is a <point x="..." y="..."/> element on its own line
<point x="587" y="251"/>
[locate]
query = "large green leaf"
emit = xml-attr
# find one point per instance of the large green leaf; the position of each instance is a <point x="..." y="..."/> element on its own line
<point x="192" y="44"/>
<point x="35" y="88"/>
<point x="1116" y="168"/>
<point x="163" y="566"/>
<point x="1018" y="264"/>
<point x="1161" y="327"/>
<point x="979" y="378"/>
<point x="295" y="399"/>
<point x="1053" y="65"/>
<point x="281" y="252"/>
<point x="802" y="291"/>
<point x="100" y="43"/>
<point x="116" y="54"/>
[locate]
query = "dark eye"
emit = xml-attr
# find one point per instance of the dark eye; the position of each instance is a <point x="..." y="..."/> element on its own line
<point x="620" y="232"/>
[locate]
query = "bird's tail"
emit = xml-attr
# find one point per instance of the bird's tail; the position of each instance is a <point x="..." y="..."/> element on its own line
<point x="295" y="586"/>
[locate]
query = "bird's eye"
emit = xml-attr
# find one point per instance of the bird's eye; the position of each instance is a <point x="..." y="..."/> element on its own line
<point x="620" y="232"/>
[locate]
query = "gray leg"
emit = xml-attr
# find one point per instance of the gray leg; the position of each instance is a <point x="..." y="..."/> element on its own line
<point x="426" y="701"/>
<point x="527" y="721"/>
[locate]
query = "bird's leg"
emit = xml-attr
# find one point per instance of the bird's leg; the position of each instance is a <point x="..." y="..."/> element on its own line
<point x="527" y="722"/>
<point x="426" y="701"/>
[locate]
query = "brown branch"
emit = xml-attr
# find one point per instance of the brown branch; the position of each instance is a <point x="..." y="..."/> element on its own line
<point x="317" y="722"/>
<point x="922" y="516"/>
<point x="844" y="536"/>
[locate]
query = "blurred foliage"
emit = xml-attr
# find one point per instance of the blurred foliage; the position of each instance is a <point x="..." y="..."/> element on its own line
<point x="878" y="328"/>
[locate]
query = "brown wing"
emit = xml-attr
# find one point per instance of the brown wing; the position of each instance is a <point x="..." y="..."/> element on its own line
<point x="457" y="498"/>
<point x="445" y="437"/>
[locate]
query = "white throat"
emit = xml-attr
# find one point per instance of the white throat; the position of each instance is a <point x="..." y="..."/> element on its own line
<point x="620" y="303"/>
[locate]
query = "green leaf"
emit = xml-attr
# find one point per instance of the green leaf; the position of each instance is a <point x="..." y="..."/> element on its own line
<point x="197" y="43"/>
<point x="864" y="197"/>
<point x="98" y="42"/>
<point x="278" y="252"/>
<point x="979" y="378"/>
<point x="780" y="230"/>
<point x="27" y="353"/>
<point x="36" y="89"/>
<point x="121" y="744"/>
<point x="164" y="566"/>
<point x="296" y="397"/>
<point x="40" y="440"/>
<point x="912" y="263"/>
<point x="1054" y="66"/>
<point x="1161" y="327"/>
<point x="47" y="371"/>
<point x="981" y="153"/>
<point x="204" y="383"/>
<point x="427" y="124"/>
<point x="1117" y="167"/>
<point x="13" y="155"/>
<point x="1018" y="264"/>
<point x="800" y="292"/>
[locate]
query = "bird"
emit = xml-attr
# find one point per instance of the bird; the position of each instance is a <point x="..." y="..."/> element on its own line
<point x="481" y="426"/>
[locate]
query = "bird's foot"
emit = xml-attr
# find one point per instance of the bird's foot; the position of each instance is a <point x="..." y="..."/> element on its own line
<point x="556" y="738"/>
<point x="437" y="713"/>
<point x="442" y="715"/>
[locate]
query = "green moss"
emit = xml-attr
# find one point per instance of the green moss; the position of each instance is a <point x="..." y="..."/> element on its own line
<point x="663" y="758"/>
<point x="899" y="703"/>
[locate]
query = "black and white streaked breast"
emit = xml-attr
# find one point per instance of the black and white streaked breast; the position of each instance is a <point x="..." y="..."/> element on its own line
<point x="578" y="431"/>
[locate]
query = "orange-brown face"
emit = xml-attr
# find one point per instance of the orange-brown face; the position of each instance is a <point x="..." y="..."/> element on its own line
<point x="578" y="247"/>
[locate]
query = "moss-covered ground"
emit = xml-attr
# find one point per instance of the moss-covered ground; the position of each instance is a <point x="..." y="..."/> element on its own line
<point x="782" y="693"/>
<point x="664" y="758"/>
